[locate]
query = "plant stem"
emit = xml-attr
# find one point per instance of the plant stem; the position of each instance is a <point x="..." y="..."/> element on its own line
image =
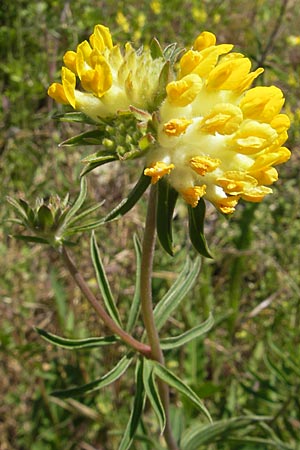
<point x="92" y="299"/>
<point x="147" y="307"/>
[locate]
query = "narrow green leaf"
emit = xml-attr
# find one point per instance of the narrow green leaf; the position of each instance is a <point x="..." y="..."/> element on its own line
<point x="177" y="292"/>
<point x="166" y="201"/>
<point x="35" y="239"/>
<point x="75" y="344"/>
<point x="196" y="228"/>
<point x="169" y="51"/>
<point x="74" y="117"/>
<point x="85" y="212"/>
<point x="153" y="394"/>
<point x="78" y="202"/>
<point x="172" y="380"/>
<point x="95" y="385"/>
<point x="135" y="305"/>
<point x="164" y="78"/>
<point x="92" y="137"/>
<point x="131" y="200"/>
<point x="200" y="434"/>
<point x="99" y="161"/>
<point x="103" y="281"/>
<point x="137" y="409"/>
<point x="279" y="445"/>
<point x="189" y="335"/>
<point x="22" y="208"/>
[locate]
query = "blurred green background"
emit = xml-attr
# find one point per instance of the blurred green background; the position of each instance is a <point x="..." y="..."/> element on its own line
<point x="250" y="361"/>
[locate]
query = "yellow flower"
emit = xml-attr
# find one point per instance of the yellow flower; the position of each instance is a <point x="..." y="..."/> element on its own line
<point x="217" y="137"/>
<point x="110" y="80"/>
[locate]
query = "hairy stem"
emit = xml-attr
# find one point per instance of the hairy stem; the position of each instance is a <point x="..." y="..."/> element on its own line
<point x="147" y="307"/>
<point x="96" y="304"/>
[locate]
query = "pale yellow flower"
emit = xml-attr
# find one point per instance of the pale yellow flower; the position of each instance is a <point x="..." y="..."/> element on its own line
<point x="110" y="80"/>
<point x="217" y="137"/>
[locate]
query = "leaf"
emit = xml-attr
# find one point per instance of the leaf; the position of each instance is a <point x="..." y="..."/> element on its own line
<point x="85" y="213"/>
<point x="177" y="292"/>
<point x="45" y="218"/>
<point x="189" y="335"/>
<point x="21" y="207"/>
<point x="196" y="228"/>
<point x="279" y="445"/>
<point x="92" y="137"/>
<point x="135" y="305"/>
<point x="78" y="202"/>
<point x="172" y="380"/>
<point x="155" y="49"/>
<point x="153" y="394"/>
<point x="166" y="201"/>
<point x="98" y="384"/>
<point x="201" y="434"/>
<point x="128" y="203"/>
<point x="103" y="281"/>
<point x="74" y="117"/>
<point x="137" y="409"/>
<point x="75" y="344"/>
<point x="99" y="161"/>
<point x="35" y="239"/>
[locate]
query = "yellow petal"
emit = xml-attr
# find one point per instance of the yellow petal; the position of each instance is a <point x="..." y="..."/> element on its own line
<point x="176" y="127"/>
<point x="262" y="103"/>
<point x="227" y="204"/>
<point x="224" y="118"/>
<point x="204" y="164"/>
<point x="69" y="83"/>
<point x="193" y="194"/>
<point x="236" y="182"/>
<point x="204" y="40"/>
<point x="157" y="170"/>
<point x="183" y="92"/>
<point x="56" y="91"/>
<point x="101" y="38"/>
<point x="70" y="61"/>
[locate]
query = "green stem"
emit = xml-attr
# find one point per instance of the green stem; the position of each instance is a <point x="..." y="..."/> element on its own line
<point x="147" y="307"/>
<point x="109" y="322"/>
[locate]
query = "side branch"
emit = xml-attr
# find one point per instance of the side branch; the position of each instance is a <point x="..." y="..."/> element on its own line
<point x="92" y="299"/>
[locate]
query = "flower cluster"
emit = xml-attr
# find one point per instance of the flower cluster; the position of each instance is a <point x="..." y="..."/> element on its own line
<point x="111" y="81"/>
<point x="217" y="138"/>
<point x="210" y="134"/>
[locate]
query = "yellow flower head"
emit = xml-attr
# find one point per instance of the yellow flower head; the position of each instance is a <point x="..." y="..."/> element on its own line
<point x="109" y="80"/>
<point x="218" y="138"/>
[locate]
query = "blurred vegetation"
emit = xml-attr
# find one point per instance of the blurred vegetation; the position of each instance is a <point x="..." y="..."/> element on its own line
<point x="250" y="362"/>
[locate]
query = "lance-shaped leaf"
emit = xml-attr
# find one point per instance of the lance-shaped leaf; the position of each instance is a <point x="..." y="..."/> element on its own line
<point x="103" y="281"/>
<point x="75" y="344"/>
<point x="74" y="116"/>
<point x="136" y="301"/>
<point x="153" y="394"/>
<point x="92" y="137"/>
<point x="196" y="228"/>
<point x="166" y="201"/>
<point x="98" y="159"/>
<point x="195" y="332"/>
<point x="133" y="197"/>
<point x="78" y="202"/>
<point x="177" y="292"/>
<point x="95" y="385"/>
<point x="137" y="409"/>
<point x="172" y="380"/>
<point x="35" y="239"/>
<point x="205" y="434"/>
